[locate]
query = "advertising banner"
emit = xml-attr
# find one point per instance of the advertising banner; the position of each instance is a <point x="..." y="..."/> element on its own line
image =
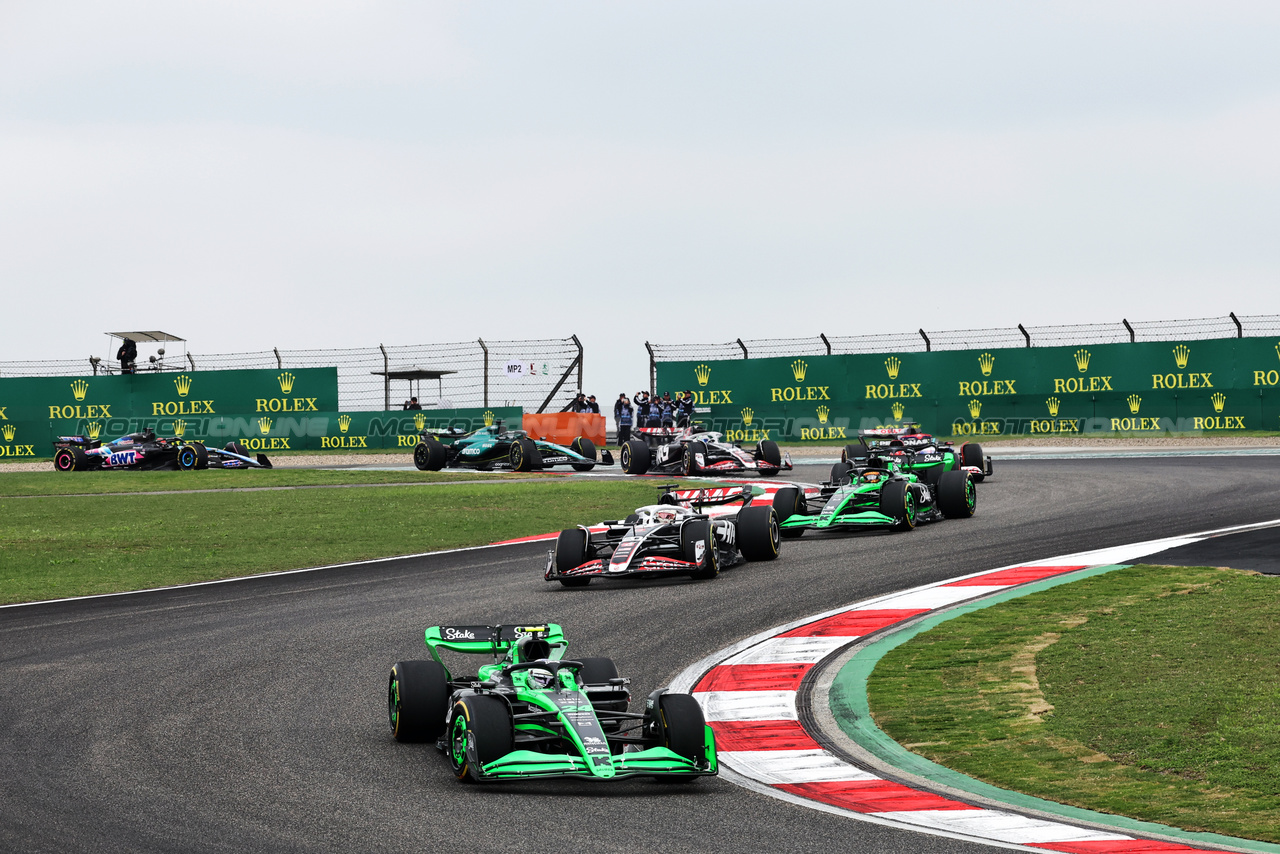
<point x="1215" y="386"/>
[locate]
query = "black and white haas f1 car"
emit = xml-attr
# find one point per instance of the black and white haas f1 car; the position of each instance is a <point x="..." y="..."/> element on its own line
<point x="691" y="450"/>
<point x="672" y="537"/>
<point x="919" y="453"/>
<point x="145" y="451"/>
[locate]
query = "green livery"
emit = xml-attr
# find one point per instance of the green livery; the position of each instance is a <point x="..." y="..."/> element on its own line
<point x="494" y="448"/>
<point x="533" y="713"/>
<point x="919" y="453"/>
<point x="876" y="494"/>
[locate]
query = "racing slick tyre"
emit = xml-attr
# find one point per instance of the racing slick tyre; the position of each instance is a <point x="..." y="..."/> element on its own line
<point x="690" y="459"/>
<point x="634" y="457"/>
<point x="484" y="720"/>
<point x="956" y="496"/>
<point x="897" y="501"/>
<point x="429" y="455"/>
<point x="571" y="553"/>
<point x="758" y="537"/>
<point x="682" y="730"/>
<point x="767" y="450"/>
<point x="787" y="502"/>
<point x="841" y="474"/>
<point x="587" y="448"/>
<point x="417" y="700"/>
<point x="202" y="454"/>
<point x="691" y="534"/>
<point x="70" y="459"/>
<point x="237" y="448"/>
<point x="524" y="455"/>
<point x="851" y="452"/>
<point x="971" y="455"/>
<point x="188" y="459"/>
<point x="598" y="671"/>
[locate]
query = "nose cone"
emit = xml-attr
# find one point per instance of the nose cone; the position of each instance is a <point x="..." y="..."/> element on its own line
<point x="602" y="766"/>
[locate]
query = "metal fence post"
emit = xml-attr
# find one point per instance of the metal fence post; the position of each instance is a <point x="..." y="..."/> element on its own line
<point x="825" y="341"/>
<point x="486" y="372"/>
<point x="1132" y="337"/>
<point x="386" y="379"/>
<point x="279" y="362"/>
<point x="928" y="347"/>
<point x="744" y="349"/>
<point x="579" y="345"/>
<point x="1236" y="320"/>
<point x="1025" y="334"/>
<point x="653" y="370"/>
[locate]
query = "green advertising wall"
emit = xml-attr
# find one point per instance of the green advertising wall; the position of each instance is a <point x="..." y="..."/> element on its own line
<point x="262" y="409"/>
<point x="1197" y="387"/>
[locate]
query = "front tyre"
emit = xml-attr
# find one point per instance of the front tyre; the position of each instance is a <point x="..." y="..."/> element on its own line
<point x="202" y="454"/>
<point x="187" y="458"/>
<point x="758" y="535"/>
<point x="971" y="455"/>
<point x="682" y="730"/>
<point x="571" y="553"/>
<point x="483" y="723"/>
<point x="898" y="502"/>
<point x="698" y="543"/>
<point x="787" y="502"/>
<point x="586" y="448"/>
<point x="524" y="455"/>
<point x="767" y="451"/>
<point x="691" y="452"/>
<point x="957" y="499"/>
<point x="634" y="457"/>
<point x="417" y="700"/>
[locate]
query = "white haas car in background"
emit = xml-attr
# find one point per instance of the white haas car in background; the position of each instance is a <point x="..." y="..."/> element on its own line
<point x="690" y="450"/>
<point x="689" y="532"/>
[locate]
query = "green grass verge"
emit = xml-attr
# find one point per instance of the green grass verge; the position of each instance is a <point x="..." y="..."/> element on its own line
<point x="69" y="546"/>
<point x="1150" y="692"/>
<point x="102" y="482"/>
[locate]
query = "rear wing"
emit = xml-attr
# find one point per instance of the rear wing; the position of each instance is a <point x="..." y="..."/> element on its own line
<point x="76" y="441"/>
<point x="490" y="640"/>
<point x="697" y="498"/>
<point x="907" y="429"/>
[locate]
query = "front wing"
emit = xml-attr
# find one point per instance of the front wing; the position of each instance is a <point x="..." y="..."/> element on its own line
<point x="653" y="761"/>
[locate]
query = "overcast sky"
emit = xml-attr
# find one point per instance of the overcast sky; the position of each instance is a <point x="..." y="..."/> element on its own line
<point x="310" y="174"/>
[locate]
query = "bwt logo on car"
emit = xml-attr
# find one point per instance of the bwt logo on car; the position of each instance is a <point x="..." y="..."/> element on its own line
<point x="123" y="458"/>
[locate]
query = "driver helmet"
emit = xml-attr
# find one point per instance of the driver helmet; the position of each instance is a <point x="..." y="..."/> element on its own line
<point x="665" y="514"/>
<point x="871" y="477"/>
<point x="541" y="677"/>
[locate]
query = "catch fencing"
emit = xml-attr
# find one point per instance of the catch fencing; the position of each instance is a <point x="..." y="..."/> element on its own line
<point x="535" y="375"/>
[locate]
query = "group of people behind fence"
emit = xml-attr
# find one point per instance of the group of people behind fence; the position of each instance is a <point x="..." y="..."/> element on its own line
<point x="647" y="410"/>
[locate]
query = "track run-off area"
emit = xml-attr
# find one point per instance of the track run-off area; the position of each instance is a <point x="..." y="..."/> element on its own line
<point x="252" y="715"/>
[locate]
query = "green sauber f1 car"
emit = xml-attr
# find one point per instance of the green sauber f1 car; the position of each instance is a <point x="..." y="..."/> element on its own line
<point x="493" y="448"/>
<point x="919" y="453"/>
<point x="533" y="713"/>
<point x="878" y="493"/>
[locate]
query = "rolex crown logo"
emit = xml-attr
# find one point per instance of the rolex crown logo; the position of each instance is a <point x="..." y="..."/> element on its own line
<point x="286" y="382"/>
<point x="898" y="410"/>
<point x="344" y="422"/>
<point x="79" y="388"/>
<point x="1082" y="360"/>
<point x="1134" y="403"/>
<point x="893" y="364"/>
<point x="94" y="429"/>
<point x="183" y="382"/>
<point x="747" y="415"/>
<point x="1181" y="354"/>
<point x="488" y="418"/>
<point x="823" y="412"/>
<point x="1278" y="349"/>
<point x="703" y="373"/>
<point x="179" y="427"/>
<point x="1219" y="400"/>
<point x="798" y="368"/>
<point x="419" y="421"/>
<point x="8" y="431"/>
<point x="264" y="424"/>
<point x="1053" y="403"/>
<point x="986" y="361"/>
<point x="975" y="408"/>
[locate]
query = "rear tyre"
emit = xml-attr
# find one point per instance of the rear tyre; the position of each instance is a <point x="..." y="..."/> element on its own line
<point x="429" y="454"/>
<point x="69" y="459"/>
<point x="758" y="536"/>
<point x="691" y="535"/>
<point x="957" y="499"/>
<point x="851" y="452"/>
<point x="787" y="502"/>
<point x="898" y="502"/>
<point x="691" y="466"/>
<point x="417" y="700"/>
<point x="767" y="450"/>
<point x="634" y="457"/>
<point x="587" y="448"/>
<point x="598" y="671"/>
<point x="971" y="455"/>
<point x="485" y="722"/>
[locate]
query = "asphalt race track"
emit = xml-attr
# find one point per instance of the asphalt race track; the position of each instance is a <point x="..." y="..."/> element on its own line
<point x="252" y="716"/>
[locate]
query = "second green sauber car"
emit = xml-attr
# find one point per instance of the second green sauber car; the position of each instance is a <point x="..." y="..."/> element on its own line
<point x="533" y="713"/>
<point x="876" y="495"/>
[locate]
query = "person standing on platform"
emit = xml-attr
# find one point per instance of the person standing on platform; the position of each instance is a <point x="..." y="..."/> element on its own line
<point x="623" y="414"/>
